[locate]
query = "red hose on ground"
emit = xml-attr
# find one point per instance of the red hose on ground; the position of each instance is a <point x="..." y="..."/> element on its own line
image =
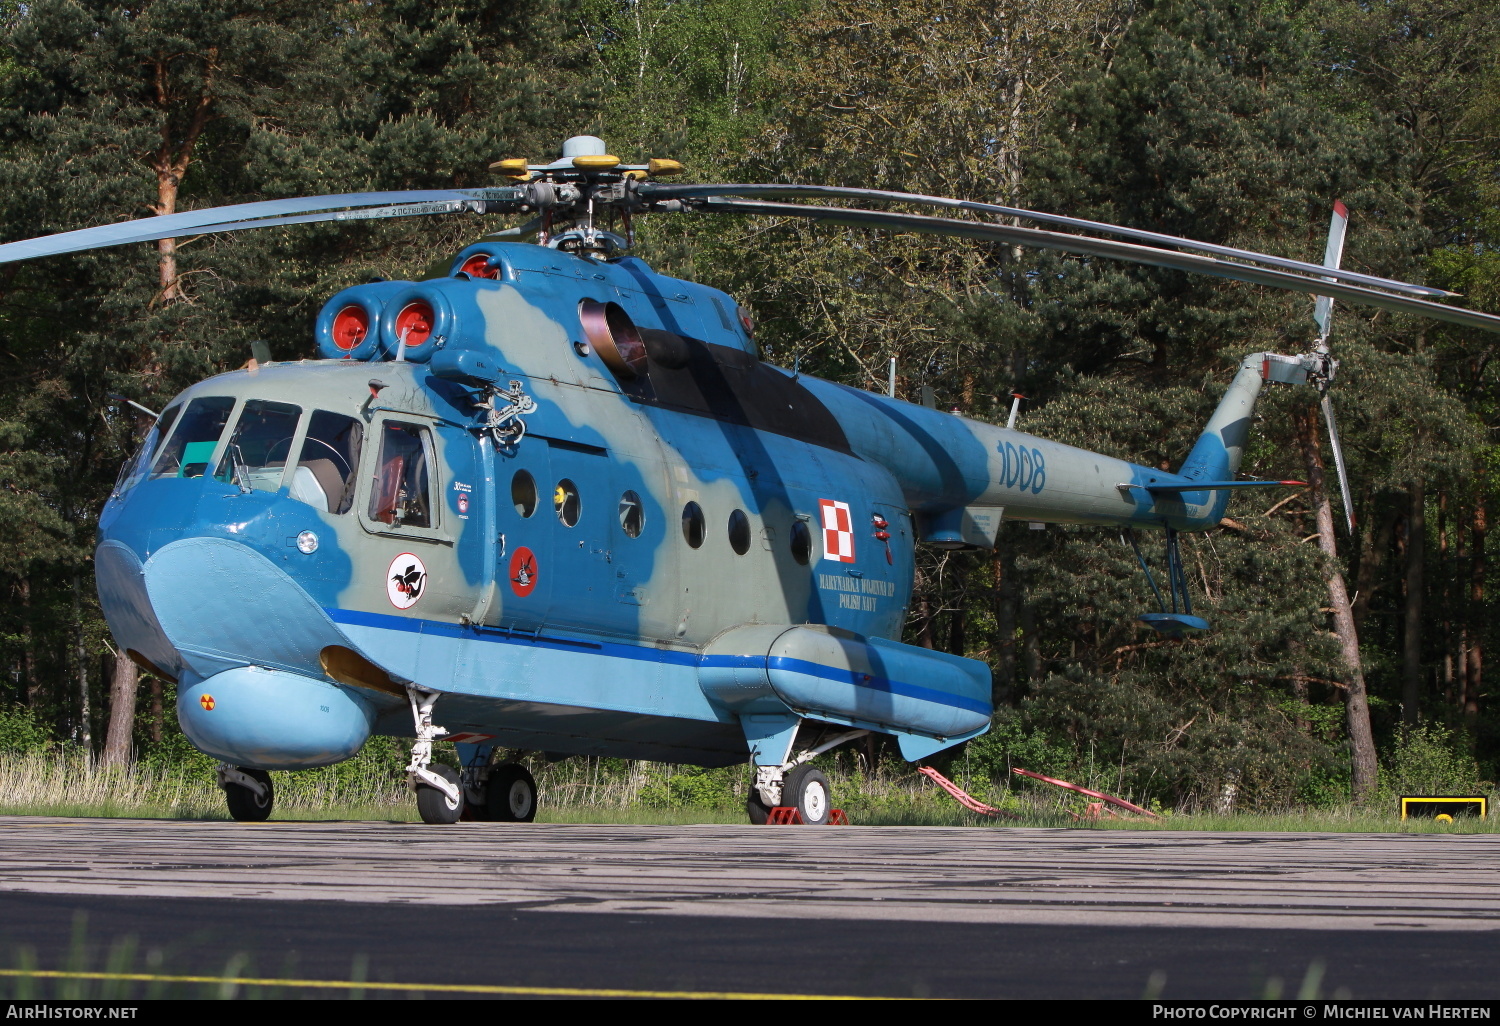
<point x="1122" y="803"/>
<point x="966" y="800"/>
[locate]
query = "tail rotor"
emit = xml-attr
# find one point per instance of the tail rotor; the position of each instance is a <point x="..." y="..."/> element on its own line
<point x="1327" y="366"/>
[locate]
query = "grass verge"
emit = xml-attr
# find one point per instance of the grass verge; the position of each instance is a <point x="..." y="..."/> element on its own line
<point x="585" y="791"/>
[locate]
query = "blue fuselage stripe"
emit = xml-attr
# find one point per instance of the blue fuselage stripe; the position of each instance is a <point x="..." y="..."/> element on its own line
<point x="414" y="625"/>
<point x="891" y="687"/>
<point x="497" y="635"/>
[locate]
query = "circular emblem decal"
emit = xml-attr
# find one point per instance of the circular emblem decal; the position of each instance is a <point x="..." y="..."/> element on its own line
<point x="523" y="571"/>
<point x="405" y="580"/>
<point x="207" y="701"/>
<point x="463" y="504"/>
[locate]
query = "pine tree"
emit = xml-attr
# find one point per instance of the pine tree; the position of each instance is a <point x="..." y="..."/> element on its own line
<point x="112" y="113"/>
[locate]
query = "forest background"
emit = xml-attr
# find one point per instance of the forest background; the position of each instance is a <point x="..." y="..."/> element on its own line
<point x="1234" y="123"/>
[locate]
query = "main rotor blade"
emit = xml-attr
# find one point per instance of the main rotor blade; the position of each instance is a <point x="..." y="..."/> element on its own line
<point x="265" y="214"/>
<point x="1338" y="461"/>
<point x="1333" y="255"/>
<point x="657" y="191"/>
<point x="1082" y="245"/>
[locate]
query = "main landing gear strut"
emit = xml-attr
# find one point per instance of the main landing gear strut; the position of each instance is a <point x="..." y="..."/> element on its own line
<point x="440" y="799"/>
<point x="504" y="792"/>
<point x="796" y="785"/>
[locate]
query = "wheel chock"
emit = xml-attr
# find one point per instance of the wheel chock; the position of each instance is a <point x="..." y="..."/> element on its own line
<point x="787" y="815"/>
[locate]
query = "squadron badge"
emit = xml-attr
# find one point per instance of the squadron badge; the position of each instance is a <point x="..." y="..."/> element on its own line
<point x="405" y="580"/>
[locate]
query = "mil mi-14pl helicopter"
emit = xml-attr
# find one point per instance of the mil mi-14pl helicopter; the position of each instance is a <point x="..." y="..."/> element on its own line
<point x="557" y="500"/>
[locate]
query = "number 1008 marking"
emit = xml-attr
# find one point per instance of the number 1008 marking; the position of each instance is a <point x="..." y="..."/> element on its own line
<point x="1022" y="468"/>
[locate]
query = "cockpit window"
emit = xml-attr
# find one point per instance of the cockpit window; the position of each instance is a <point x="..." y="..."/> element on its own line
<point x="135" y="468"/>
<point x="262" y="441"/>
<point x="400" y="494"/>
<point x="191" y="446"/>
<point x="325" y="469"/>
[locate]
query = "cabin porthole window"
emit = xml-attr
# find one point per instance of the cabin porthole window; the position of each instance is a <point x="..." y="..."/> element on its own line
<point x="801" y="542"/>
<point x="565" y="502"/>
<point x="692" y="524"/>
<point x="739" y="532"/>
<point x="632" y="514"/>
<point x="523" y="493"/>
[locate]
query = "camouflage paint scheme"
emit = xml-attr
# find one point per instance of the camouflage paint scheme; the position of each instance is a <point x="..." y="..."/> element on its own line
<point x="639" y="647"/>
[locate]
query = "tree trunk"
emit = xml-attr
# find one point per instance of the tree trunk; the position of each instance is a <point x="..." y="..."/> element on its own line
<point x="28" y="643"/>
<point x="1376" y="546"/>
<point x="122" y="690"/>
<point x="1445" y="574"/>
<point x="957" y="642"/>
<point x="1030" y="642"/>
<point x="1411" y="664"/>
<point x="156" y="714"/>
<point x="1356" y="704"/>
<point x="1474" y="676"/>
<point x="167" y="182"/>
<point x="924" y="617"/>
<point x="1004" y="593"/>
<point x="84" y="733"/>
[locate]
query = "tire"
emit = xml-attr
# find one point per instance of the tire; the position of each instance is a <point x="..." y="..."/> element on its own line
<point x="244" y="805"/>
<point x="758" y="811"/>
<point x="512" y="794"/>
<point x="807" y="791"/>
<point x="433" y="805"/>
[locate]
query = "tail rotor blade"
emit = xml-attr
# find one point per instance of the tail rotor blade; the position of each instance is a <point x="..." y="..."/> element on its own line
<point x="1333" y="255"/>
<point x="1338" y="461"/>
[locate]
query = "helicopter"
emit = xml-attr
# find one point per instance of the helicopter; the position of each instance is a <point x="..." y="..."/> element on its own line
<point x="557" y="500"/>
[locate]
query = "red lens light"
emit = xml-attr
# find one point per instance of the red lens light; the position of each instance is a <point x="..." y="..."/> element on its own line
<point x="414" y="323"/>
<point x="350" y="326"/>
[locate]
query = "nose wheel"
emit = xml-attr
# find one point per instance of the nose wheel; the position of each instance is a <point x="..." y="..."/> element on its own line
<point x="440" y="797"/>
<point x="248" y="792"/>
<point x="437" y="805"/>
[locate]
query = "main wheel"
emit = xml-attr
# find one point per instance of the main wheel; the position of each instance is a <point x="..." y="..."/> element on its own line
<point x="512" y="794"/>
<point x="244" y="804"/>
<point x="758" y="811"/>
<point x="436" y="807"/>
<point x="806" y="790"/>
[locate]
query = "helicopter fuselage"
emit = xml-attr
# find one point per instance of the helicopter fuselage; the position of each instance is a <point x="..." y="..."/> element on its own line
<point x="675" y="553"/>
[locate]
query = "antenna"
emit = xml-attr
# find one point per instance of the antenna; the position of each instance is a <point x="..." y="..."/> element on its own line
<point x="890" y="388"/>
<point x="1015" y="408"/>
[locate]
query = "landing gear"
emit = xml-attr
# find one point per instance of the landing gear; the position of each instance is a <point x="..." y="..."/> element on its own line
<point x="796" y="787"/>
<point x="436" y="805"/>
<point x="756" y="808"/>
<point x="806" y="790"/>
<point x="511" y="794"/>
<point x="247" y="792"/>
<point x="440" y="798"/>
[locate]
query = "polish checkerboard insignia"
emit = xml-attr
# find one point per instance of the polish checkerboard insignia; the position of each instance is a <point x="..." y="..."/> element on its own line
<point x="838" y="531"/>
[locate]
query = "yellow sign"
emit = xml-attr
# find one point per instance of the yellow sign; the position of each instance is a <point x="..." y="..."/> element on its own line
<point x="1443" y="808"/>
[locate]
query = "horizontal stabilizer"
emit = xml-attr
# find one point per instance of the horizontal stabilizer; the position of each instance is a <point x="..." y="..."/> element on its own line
<point x="1208" y="486"/>
<point x="1174" y="625"/>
